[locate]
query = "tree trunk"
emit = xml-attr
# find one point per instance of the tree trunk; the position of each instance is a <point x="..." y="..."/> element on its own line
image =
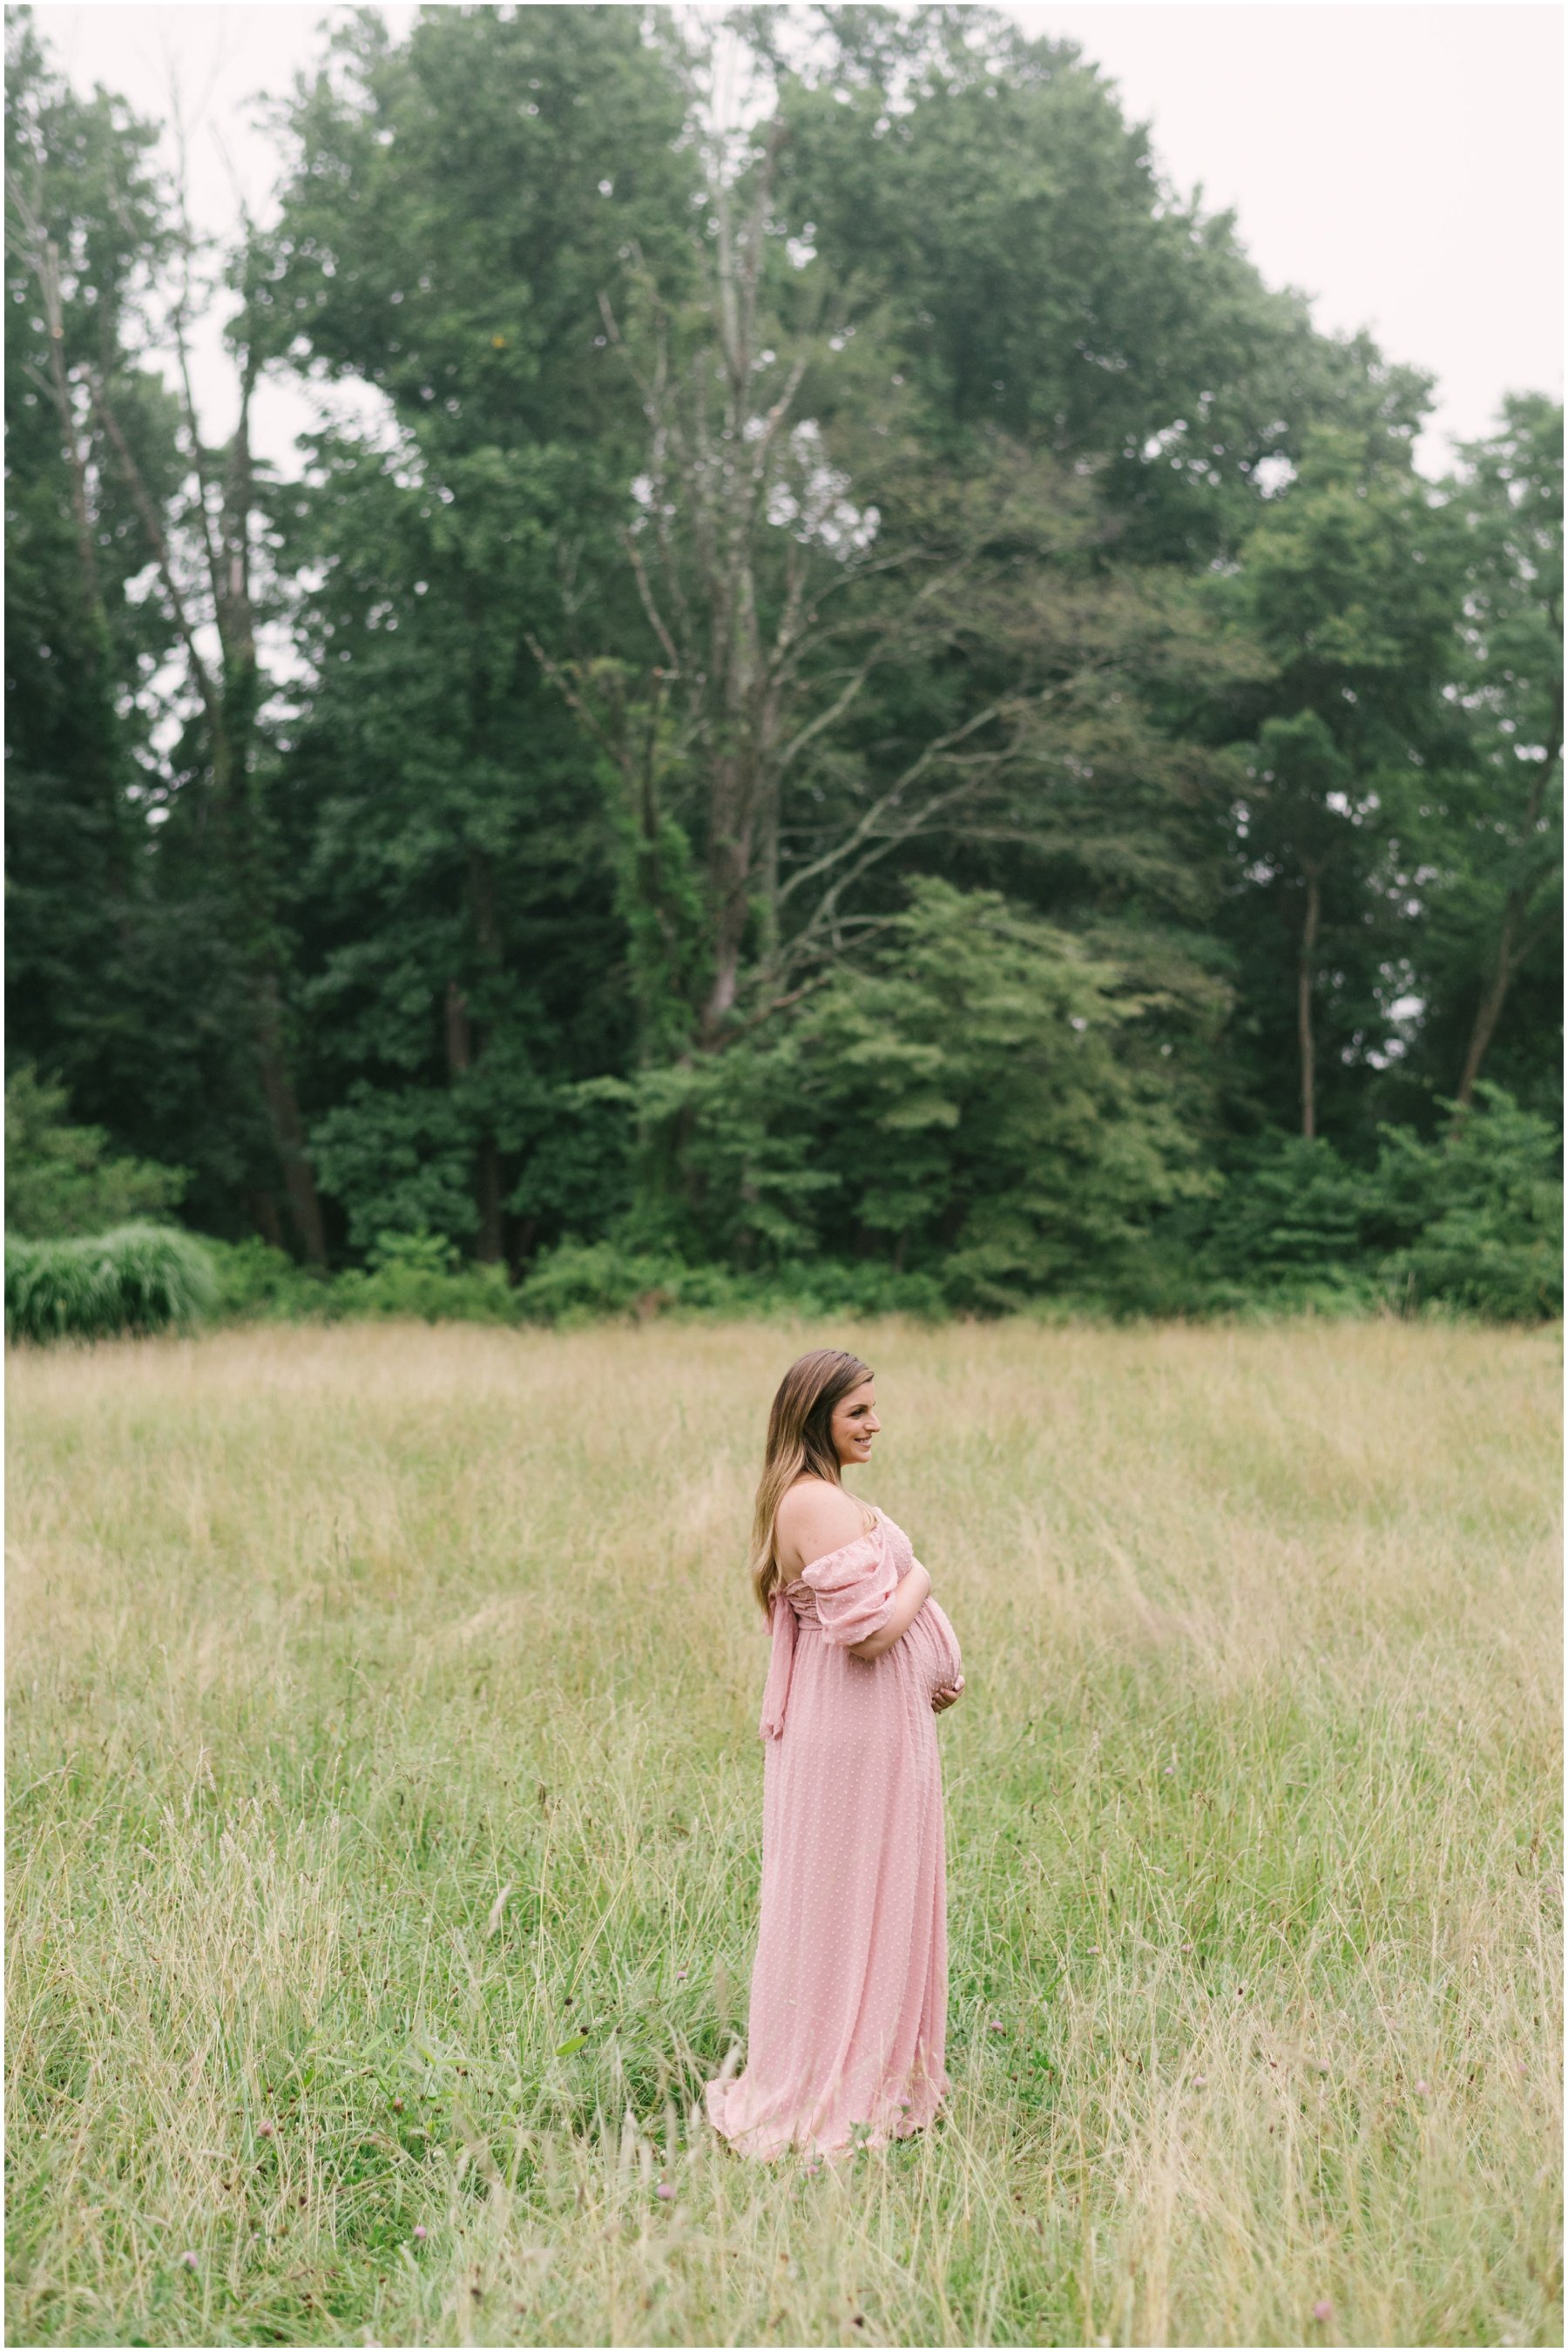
<point x="230" y="694"/>
<point x="729" y="872"/>
<point x="731" y="824"/>
<point x="1305" y="968"/>
<point x="265" y="1219"/>
<point x="288" y="1127"/>
<point x="1489" y="1008"/>
<point x="459" y="1032"/>
<point x="487" y="1184"/>
<point x="47" y="268"/>
<point x="488" y="1188"/>
<point x="249" y="883"/>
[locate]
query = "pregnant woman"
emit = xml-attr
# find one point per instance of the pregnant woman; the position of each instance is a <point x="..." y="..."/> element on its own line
<point x="848" y="2012"/>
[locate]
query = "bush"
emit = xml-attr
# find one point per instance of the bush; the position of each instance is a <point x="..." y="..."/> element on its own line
<point x="1292" y="1216"/>
<point x="138" y="1278"/>
<point x="417" y="1274"/>
<point x="252" y="1280"/>
<point x="1470" y="1219"/>
<point x="423" y="1274"/>
<point x="1483" y="1211"/>
<point x="578" y="1281"/>
<point x="61" y="1179"/>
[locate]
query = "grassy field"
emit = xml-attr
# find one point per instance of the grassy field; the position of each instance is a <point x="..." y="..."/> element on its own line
<point x="385" y="1807"/>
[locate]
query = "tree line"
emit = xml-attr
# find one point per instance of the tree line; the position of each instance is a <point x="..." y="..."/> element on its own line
<point x="869" y="694"/>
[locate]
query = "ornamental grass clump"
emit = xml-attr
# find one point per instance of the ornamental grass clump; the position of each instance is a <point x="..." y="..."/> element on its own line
<point x="138" y="1278"/>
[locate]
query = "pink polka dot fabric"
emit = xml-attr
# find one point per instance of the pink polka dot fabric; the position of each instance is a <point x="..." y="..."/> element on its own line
<point x="847" y="2028"/>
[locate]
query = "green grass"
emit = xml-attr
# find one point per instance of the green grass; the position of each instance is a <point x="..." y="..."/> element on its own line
<point x="385" y="1806"/>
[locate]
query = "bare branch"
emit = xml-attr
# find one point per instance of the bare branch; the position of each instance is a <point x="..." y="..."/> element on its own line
<point x="585" y="710"/>
<point x="146" y="508"/>
<point x="44" y="259"/>
<point x="881" y="651"/>
<point x="656" y="618"/>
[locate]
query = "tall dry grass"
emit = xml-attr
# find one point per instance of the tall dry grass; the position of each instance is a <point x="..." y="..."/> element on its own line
<point x="386" y="1803"/>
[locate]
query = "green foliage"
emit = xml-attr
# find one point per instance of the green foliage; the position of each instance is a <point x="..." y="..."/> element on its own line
<point x="582" y="915"/>
<point x="1489" y="841"/>
<point x="136" y="1279"/>
<point x="409" y="1274"/>
<point x="988" y="189"/>
<point x="577" y="1150"/>
<point x="1294" y="1217"/>
<point x="420" y="1274"/>
<point x="999" y="1104"/>
<point x="1484" y="1212"/>
<point x="63" y="1179"/>
<point x="398" y="1159"/>
<point x="583" y="1282"/>
<point x="982" y="1100"/>
<point x="252" y="1281"/>
<point x="1471" y="1219"/>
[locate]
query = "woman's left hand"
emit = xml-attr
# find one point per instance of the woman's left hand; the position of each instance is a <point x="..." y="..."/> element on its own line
<point x="947" y="1695"/>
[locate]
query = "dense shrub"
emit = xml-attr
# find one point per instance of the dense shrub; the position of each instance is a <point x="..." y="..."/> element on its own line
<point x="423" y="1274"/>
<point x="579" y="1282"/>
<point x="418" y="1273"/>
<point x="138" y="1278"/>
<point x="982" y="1099"/>
<point x="1470" y="1220"/>
<point x="1481" y="1214"/>
<point x="253" y="1280"/>
<point x="65" y="1178"/>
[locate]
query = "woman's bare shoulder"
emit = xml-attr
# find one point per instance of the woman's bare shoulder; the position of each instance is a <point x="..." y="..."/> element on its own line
<point x="815" y="1517"/>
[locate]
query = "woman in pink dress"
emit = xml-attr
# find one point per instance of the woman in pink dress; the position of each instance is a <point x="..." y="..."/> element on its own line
<point x="848" y="2011"/>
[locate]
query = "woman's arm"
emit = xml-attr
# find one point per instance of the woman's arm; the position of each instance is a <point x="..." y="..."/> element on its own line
<point x="914" y="1591"/>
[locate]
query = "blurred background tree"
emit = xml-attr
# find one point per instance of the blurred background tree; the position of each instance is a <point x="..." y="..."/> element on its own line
<point x="873" y="696"/>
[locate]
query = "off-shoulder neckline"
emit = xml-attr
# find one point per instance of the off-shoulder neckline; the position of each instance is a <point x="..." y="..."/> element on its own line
<point x="822" y="1559"/>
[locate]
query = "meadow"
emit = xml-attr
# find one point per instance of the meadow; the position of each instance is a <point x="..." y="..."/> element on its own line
<point x="386" y="1793"/>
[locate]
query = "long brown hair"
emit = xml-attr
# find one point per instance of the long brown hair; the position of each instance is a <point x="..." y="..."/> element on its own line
<point x="799" y="1443"/>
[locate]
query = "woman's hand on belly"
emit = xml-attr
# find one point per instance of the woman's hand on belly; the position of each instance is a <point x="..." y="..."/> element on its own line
<point x="936" y="1650"/>
<point x="946" y="1669"/>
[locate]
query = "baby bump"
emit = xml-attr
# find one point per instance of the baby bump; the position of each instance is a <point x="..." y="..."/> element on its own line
<point x="933" y="1647"/>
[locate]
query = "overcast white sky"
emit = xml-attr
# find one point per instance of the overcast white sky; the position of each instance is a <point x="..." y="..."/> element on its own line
<point x="1402" y="164"/>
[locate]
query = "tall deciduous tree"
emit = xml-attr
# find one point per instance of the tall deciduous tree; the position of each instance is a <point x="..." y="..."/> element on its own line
<point x="83" y="225"/>
<point x="456" y="204"/>
<point x="777" y="583"/>
<point x="1036" y="273"/>
<point x="1349" y="583"/>
<point x="1512" y="681"/>
<point x="862" y="654"/>
<point x="88" y="232"/>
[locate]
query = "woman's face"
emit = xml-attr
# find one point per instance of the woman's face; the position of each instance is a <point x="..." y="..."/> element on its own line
<point x="854" y="1425"/>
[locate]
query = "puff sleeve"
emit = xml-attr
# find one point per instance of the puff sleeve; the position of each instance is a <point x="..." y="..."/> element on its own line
<point x="855" y="1587"/>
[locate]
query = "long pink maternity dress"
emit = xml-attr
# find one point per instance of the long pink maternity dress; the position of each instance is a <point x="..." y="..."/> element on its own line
<point x="848" y="2011"/>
